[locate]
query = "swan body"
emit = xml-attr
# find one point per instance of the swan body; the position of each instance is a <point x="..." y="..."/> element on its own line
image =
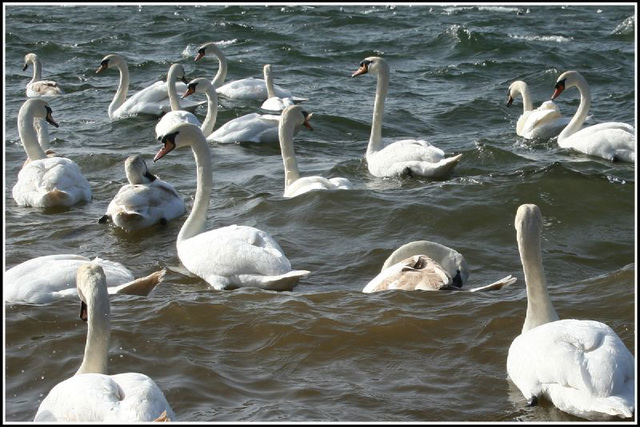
<point x="92" y="395"/>
<point x="273" y="103"/>
<point x="48" y="278"/>
<point x="294" y="185"/>
<point x="428" y="266"/>
<point x="45" y="181"/>
<point x="611" y="140"/>
<point x="247" y="89"/>
<point x="145" y="201"/>
<point x="228" y="257"/>
<point x="544" y="122"/>
<point x="37" y="86"/>
<point x="405" y="157"/>
<point x="252" y="127"/>
<point x="153" y="100"/>
<point x="581" y="366"/>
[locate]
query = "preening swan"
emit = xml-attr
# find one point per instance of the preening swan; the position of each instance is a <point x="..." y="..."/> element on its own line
<point x="405" y="157"/>
<point x="294" y="185"/>
<point x="145" y="201"/>
<point x="427" y="266"/>
<point x="37" y="86"/>
<point x="153" y="100"/>
<point x="45" y="181"/>
<point x="92" y="395"/>
<point x="250" y="88"/>
<point x="611" y="140"/>
<point x="544" y="122"/>
<point x="228" y="257"/>
<point x="273" y="103"/>
<point x="48" y="278"/>
<point x="581" y="366"/>
<point x="177" y="114"/>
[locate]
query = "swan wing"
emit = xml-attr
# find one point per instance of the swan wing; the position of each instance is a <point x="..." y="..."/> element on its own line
<point x="250" y="89"/>
<point x="417" y="157"/>
<point x="581" y="366"/>
<point x="277" y="104"/>
<point x="611" y="141"/>
<point x="154" y="100"/>
<point x="544" y="122"/>
<point x="248" y="128"/>
<point x="418" y="272"/>
<point x="313" y="183"/>
<point x="43" y="88"/>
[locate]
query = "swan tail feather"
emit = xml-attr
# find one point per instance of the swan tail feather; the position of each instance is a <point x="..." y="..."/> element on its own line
<point x="142" y="286"/>
<point x="502" y="283"/>
<point x="284" y="282"/>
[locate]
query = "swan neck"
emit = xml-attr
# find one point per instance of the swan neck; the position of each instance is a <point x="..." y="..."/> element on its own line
<point x="539" y="307"/>
<point x="527" y="103"/>
<point x="42" y="129"/>
<point x="123" y="88"/>
<point x="218" y="79"/>
<point x="195" y="223"/>
<point x="581" y="113"/>
<point x="268" y="80"/>
<point x="28" y="134"/>
<point x="382" y="87"/>
<point x="212" y="111"/>
<point x="37" y="70"/>
<point x="291" y="171"/>
<point x="171" y="89"/>
<point x="96" y="351"/>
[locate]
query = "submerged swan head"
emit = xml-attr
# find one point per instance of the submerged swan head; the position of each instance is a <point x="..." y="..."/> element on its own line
<point x="373" y="65"/>
<point x="137" y="172"/>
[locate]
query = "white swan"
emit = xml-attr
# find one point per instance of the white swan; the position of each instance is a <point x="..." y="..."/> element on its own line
<point x="250" y="88"/>
<point x="92" y="395"/>
<point x="37" y="86"/>
<point x="427" y="266"/>
<point x="544" y="122"/>
<point x="177" y="114"/>
<point x="294" y="185"/>
<point x="228" y="257"/>
<point x="45" y="181"/>
<point x="611" y="140"/>
<point x="273" y="102"/>
<point x="44" y="279"/>
<point x="145" y="201"/>
<point x="202" y="85"/>
<point x="153" y="100"/>
<point x="581" y="366"/>
<point x="405" y="157"/>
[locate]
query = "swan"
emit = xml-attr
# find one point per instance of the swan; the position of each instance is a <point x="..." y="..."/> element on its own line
<point x="145" y="201"/>
<point x="405" y="157"/>
<point x="611" y="140"/>
<point x="250" y="88"/>
<point x="45" y="181"/>
<point x="153" y="100"/>
<point x="273" y="102"/>
<point x="47" y="278"/>
<point x="91" y="395"/>
<point x="294" y="185"/>
<point x="544" y="122"/>
<point x="202" y="85"/>
<point x="428" y="266"/>
<point x="37" y="86"/>
<point x="228" y="257"/>
<point x="581" y="366"/>
<point x="177" y="114"/>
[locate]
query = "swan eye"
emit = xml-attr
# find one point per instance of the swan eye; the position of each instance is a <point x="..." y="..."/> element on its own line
<point x="560" y="84"/>
<point x="105" y="63"/>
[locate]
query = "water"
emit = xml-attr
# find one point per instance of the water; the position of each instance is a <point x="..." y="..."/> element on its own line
<point x="325" y="351"/>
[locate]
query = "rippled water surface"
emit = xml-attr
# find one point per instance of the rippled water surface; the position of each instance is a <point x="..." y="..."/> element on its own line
<point x="325" y="351"/>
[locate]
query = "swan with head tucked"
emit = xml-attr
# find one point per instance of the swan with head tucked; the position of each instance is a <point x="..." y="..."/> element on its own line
<point x="48" y="278"/>
<point x="294" y="185"/>
<point x="544" y="122"/>
<point x="229" y="257"/>
<point x="45" y="181"/>
<point x="37" y="86"/>
<point x="581" y="366"/>
<point x="273" y="102"/>
<point x="427" y="266"/>
<point x="250" y="88"/>
<point x="405" y="157"/>
<point x="153" y="100"/>
<point x="611" y="140"/>
<point x="145" y="201"/>
<point x="92" y="395"/>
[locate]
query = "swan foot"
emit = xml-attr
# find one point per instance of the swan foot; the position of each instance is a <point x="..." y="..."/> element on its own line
<point x="532" y="402"/>
<point x="104" y="219"/>
<point x="163" y="418"/>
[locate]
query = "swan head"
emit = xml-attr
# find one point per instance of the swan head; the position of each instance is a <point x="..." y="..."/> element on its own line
<point x="296" y="115"/>
<point x="202" y="50"/>
<point x="181" y="135"/>
<point x="178" y="71"/>
<point x="528" y="221"/>
<point x="91" y="284"/>
<point x="136" y="170"/>
<point x="40" y="109"/>
<point x="566" y="80"/>
<point x="109" y="61"/>
<point x="515" y="89"/>
<point x="372" y="64"/>
<point x="199" y="85"/>
<point x="29" y="57"/>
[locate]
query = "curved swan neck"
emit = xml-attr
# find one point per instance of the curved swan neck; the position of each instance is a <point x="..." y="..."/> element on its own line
<point x="581" y="113"/>
<point x="123" y="87"/>
<point x="195" y="223"/>
<point x="171" y="87"/>
<point x="523" y="89"/>
<point x="28" y="134"/>
<point x="218" y="79"/>
<point x="382" y="87"/>
<point x="268" y="80"/>
<point x="212" y="110"/>
<point x="285" y="132"/>
<point x="37" y="69"/>
<point x="96" y="351"/>
<point x="539" y="307"/>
